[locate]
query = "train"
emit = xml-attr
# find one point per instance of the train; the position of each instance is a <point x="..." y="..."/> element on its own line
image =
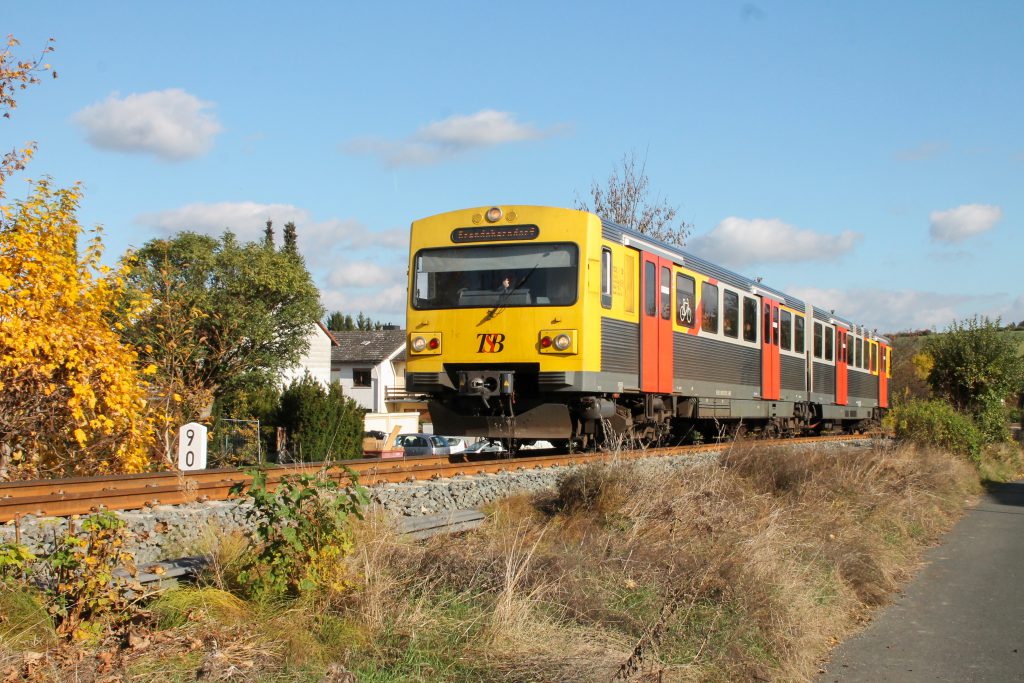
<point x="532" y="323"/>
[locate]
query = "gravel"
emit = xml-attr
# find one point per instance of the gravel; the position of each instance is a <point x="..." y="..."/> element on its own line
<point x="167" y="531"/>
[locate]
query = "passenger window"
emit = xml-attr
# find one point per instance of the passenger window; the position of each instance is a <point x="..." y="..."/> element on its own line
<point x="709" y="306"/>
<point x="650" y="288"/>
<point x="798" y="337"/>
<point x="818" y="337"/>
<point x="766" y="335"/>
<point x="749" y="319"/>
<point x="874" y="357"/>
<point x="606" y="277"/>
<point x="684" y="299"/>
<point x="786" y="333"/>
<point x="829" y="341"/>
<point x="666" y="293"/>
<point x="731" y="314"/>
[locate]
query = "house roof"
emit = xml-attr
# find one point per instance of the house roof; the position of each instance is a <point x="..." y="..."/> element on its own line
<point x="367" y="347"/>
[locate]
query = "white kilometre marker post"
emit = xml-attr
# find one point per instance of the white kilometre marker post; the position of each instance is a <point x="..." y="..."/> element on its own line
<point x="192" y="447"/>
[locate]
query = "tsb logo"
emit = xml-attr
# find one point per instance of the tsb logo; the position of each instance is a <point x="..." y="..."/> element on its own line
<point x="491" y="343"/>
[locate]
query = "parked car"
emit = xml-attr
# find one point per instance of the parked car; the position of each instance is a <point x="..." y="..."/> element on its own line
<point x="486" y="446"/>
<point x="423" y="444"/>
<point x="456" y="444"/>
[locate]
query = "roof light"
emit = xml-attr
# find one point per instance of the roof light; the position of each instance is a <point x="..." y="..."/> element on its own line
<point x="493" y="214"/>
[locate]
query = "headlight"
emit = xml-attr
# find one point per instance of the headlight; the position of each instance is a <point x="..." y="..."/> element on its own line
<point x="562" y="342"/>
<point x="418" y="344"/>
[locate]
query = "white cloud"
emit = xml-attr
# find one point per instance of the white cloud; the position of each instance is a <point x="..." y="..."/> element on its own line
<point x="967" y="220"/>
<point x="386" y="304"/>
<point x="890" y="310"/>
<point x="320" y="241"/>
<point x="740" y="241"/>
<point x="443" y="139"/>
<point x="361" y="274"/>
<point x="171" y="124"/>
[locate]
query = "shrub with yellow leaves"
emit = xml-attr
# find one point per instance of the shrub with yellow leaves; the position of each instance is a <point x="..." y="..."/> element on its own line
<point x="72" y="400"/>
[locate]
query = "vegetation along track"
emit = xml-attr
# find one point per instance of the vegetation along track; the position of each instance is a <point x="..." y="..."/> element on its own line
<point x="82" y="495"/>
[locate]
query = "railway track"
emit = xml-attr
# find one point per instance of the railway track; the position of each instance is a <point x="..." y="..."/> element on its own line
<point x="84" y="495"/>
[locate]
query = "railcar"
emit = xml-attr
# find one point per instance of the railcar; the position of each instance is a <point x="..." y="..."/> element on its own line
<point x="527" y="323"/>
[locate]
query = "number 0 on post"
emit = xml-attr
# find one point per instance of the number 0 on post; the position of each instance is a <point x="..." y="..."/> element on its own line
<point x="192" y="447"/>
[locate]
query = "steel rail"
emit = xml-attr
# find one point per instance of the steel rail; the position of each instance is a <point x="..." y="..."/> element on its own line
<point x="83" y="495"/>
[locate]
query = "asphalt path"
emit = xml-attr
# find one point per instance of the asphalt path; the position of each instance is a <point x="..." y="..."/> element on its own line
<point x="962" y="618"/>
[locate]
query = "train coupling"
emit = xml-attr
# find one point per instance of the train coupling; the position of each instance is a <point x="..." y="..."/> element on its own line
<point x="486" y="383"/>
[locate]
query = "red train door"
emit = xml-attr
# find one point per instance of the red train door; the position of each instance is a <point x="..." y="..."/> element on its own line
<point x="883" y="379"/>
<point x="841" y="374"/>
<point x="656" y="325"/>
<point x="770" y="363"/>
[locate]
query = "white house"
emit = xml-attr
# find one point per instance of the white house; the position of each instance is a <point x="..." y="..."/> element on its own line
<point x="370" y="366"/>
<point x="316" y="361"/>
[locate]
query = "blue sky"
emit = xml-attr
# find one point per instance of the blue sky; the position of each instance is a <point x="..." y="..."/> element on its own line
<point x="868" y="156"/>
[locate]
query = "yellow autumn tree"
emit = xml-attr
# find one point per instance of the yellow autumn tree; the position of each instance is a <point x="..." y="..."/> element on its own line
<point x="72" y="400"/>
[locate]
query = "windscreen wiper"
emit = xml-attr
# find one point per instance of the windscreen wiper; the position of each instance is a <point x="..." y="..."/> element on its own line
<point x="507" y="295"/>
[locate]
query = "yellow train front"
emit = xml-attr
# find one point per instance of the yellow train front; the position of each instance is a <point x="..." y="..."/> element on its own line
<point x="502" y="319"/>
<point x="532" y="323"/>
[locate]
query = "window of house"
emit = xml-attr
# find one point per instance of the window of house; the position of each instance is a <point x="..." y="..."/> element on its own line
<point x="786" y="333"/>
<point x="830" y="334"/>
<point x="650" y="288"/>
<point x="731" y="314"/>
<point x="798" y="336"/>
<point x="684" y="299"/>
<point x="361" y="377"/>
<point x="606" y="277"/>
<point x="709" y="307"/>
<point x="749" y="319"/>
<point x="819" y="336"/>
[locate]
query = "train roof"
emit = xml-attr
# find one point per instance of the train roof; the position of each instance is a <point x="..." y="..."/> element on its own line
<point x="615" y="232"/>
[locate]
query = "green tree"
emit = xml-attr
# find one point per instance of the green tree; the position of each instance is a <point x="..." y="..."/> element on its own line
<point x="975" y="367"/>
<point x="224" y="314"/>
<point x="322" y="424"/>
<point x="291" y="240"/>
<point x="624" y="200"/>
<point x="268" y="235"/>
<point x="339" y="322"/>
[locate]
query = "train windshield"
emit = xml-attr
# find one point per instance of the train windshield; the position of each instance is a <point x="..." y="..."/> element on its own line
<point x="496" y="275"/>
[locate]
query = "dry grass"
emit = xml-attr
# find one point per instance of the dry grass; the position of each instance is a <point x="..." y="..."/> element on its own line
<point x="751" y="568"/>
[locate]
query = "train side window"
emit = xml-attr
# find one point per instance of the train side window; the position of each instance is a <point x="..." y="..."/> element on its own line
<point x="709" y="306"/>
<point x="862" y="347"/>
<point x="749" y="319"/>
<point x="606" y="277"/>
<point x="818" y="337"/>
<point x="798" y="336"/>
<point x="858" y="352"/>
<point x="685" y="288"/>
<point x="731" y="314"/>
<point x="650" y="288"/>
<point x="829" y="341"/>
<point x="766" y="335"/>
<point x="666" y="293"/>
<point x="874" y="357"/>
<point x="786" y="333"/>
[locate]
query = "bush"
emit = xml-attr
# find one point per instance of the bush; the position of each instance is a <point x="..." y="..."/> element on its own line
<point x="936" y="423"/>
<point x="302" y="532"/>
<point x="321" y="424"/>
